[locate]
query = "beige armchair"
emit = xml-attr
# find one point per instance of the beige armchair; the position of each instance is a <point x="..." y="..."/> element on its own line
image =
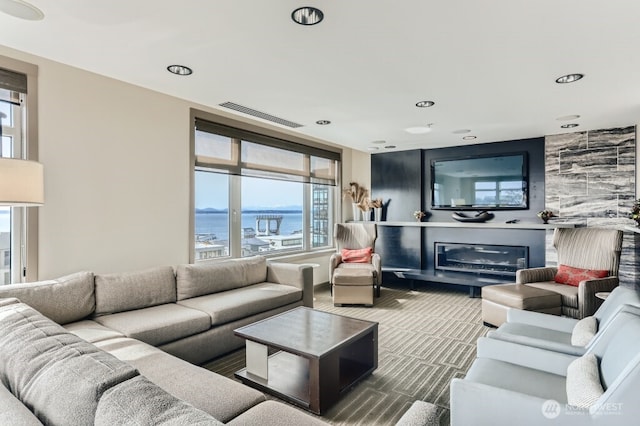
<point x="356" y="236"/>
<point x="588" y="248"/>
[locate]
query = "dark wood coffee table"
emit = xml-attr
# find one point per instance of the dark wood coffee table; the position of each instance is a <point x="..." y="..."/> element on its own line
<point x="320" y="356"/>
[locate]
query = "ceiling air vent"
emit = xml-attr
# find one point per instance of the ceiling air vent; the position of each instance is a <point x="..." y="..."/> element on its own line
<point x="259" y="114"/>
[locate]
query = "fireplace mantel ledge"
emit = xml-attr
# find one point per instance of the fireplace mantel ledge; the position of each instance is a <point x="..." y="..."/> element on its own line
<point x="499" y="225"/>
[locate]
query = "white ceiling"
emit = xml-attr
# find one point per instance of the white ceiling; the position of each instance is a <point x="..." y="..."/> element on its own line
<point x="489" y="66"/>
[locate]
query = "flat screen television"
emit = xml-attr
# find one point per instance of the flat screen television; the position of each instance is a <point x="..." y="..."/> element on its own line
<point x="483" y="182"/>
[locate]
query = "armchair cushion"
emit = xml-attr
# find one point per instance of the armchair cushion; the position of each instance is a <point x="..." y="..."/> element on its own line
<point x="357" y="255"/>
<point x="583" y="331"/>
<point x="583" y="382"/>
<point x="572" y="276"/>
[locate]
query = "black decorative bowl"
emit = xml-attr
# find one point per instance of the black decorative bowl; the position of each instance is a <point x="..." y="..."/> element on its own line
<point x="480" y="217"/>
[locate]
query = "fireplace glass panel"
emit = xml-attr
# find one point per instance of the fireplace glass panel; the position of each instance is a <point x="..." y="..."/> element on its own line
<point x="481" y="258"/>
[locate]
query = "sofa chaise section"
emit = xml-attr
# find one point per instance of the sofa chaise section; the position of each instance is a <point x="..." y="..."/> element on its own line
<point x="56" y="375"/>
<point x="217" y="395"/>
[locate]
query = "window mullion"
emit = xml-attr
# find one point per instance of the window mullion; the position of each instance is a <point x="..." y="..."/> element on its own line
<point x="235" y="216"/>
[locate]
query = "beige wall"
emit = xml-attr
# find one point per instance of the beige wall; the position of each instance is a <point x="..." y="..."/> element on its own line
<point x="117" y="169"/>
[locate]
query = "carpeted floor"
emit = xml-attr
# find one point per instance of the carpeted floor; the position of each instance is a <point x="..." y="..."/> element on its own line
<point x="426" y="338"/>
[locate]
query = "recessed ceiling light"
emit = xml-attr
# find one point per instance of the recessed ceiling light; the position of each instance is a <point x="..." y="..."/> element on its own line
<point x="179" y="70"/>
<point x="568" y="117"/>
<point x="390" y="146"/>
<point x="418" y="129"/>
<point x="21" y="9"/>
<point x="373" y="148"/>
<point x="569" y="78"/>
<point x="425" y="104"/>
<point x="323" y="122"/>
<point x="461" y="131"/>
<point x="469" y="138"/>
<point x="569" y="126"/>
<point x="307" y="15"/>
<point x="379" y="142"/>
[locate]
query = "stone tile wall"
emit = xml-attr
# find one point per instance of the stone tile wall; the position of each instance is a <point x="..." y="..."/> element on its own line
<point x="590" y="179"/>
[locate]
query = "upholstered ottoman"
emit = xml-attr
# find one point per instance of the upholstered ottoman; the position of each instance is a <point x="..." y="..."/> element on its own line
<point x="352" y="286"/>
<point x="498" y="299"/>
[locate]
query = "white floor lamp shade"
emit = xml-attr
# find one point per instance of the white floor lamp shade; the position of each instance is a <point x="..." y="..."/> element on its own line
<point x="21" y="182"/>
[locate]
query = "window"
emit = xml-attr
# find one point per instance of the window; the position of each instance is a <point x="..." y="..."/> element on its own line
<point x="256" y="194"/>
<point x="18" y="225"/>
<point x="500" y="192"/>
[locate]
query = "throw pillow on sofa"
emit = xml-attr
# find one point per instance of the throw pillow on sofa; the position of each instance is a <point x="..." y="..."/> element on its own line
<point x="572" y="276"/>
<point x="583" y="382"/>
<point x="357" y="255"/>
<point x="583" y="331"/>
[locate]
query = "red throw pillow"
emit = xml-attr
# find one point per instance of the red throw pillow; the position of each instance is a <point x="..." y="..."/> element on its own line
<point x="357" y="255"/>
<point x="572" y="276"/>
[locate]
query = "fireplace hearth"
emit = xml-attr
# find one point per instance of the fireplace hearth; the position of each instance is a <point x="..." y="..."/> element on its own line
<point x="490" y="259"/>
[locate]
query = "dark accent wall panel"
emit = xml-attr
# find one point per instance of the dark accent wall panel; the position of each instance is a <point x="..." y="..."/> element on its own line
<point x="400" y="246"/>
<point x="396" y="177"/>
<point x="536" y="157"/>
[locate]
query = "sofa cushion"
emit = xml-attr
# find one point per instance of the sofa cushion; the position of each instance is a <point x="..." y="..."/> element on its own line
<point x="583" y="382"/>
<point x="140" y="402"/>
<point x="217" y="395"/>
<point x="134" y="290"/>
<point x="519" y="379"/>
<point x="239" y="303"/>
<point x="57" y="375"/>
<point x="63" y="300"/>
<point x="583" y="331"/>
<point x="13" y="412"/>
<point x="91" y="331"/>
<point x="568" y="293"/>
<point x="573" y="276"/>
<point x="205" y="278"/>
<point x="158" y="324"/>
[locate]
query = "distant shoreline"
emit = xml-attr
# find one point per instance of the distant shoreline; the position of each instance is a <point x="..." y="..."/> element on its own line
<point x="207" y="211"/>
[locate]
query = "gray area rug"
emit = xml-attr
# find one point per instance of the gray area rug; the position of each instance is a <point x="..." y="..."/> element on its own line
<point x="426" y="338"/>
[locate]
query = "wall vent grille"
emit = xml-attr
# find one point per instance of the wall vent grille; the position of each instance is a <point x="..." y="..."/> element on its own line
<point x="260" y="114"/>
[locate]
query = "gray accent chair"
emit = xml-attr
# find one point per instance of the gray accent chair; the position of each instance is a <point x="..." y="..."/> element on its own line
<point x="511" y="384"/>
<point x="555" y="333"/>
<point x="588" y="248"/>
<point x="356" y="236"/>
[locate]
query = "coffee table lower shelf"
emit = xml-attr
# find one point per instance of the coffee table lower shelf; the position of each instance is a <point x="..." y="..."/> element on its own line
<point x="289" y="378"/>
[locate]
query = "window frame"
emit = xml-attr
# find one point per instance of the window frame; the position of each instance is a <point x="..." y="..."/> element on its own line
<point x="270" y="137"/>
<point x="28" y="245"/>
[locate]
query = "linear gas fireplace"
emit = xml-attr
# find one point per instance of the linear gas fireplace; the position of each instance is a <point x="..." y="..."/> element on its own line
<point x="481" y="258"/>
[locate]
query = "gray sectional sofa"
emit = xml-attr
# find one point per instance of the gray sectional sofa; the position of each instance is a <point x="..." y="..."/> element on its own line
<point x="119" y="348"/>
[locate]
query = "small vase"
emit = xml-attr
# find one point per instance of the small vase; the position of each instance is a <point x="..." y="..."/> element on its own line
<point x="366" y="216"/>
<point x="377" y="214"/>
<point x="355" y="211"/>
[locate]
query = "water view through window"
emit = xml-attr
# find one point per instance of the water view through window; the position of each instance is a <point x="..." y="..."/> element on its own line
<point x="272" y="216"/>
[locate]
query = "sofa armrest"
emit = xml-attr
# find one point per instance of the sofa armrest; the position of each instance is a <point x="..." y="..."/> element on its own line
<point x="525" y="356"/>
<point x="334" y="261"/>
<point x="533" y="275"/>
<point x="300" y="276"/>
<point x="473" y="403"/>
<point x="377" y="264"/>
<point x="537" y="343"/>
<point x="588" y="303"/>
<point x="538" y="319"/>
